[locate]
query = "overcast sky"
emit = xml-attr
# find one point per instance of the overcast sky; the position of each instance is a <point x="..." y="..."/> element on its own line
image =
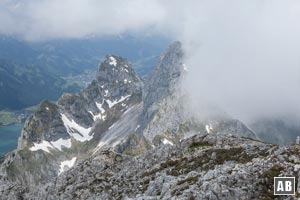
<point x="243" y="56"/>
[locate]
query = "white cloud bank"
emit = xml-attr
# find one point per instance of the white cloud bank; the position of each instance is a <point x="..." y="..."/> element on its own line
<point x="46" y="19"/>
<point x="242" y="55"/>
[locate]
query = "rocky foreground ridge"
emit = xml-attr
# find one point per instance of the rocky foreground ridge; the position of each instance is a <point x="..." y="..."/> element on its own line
<point x="212" y="166"/>
<point x="127" y="138"/>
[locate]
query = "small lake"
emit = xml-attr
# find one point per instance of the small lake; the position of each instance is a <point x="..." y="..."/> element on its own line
<point x="9" y="137"/>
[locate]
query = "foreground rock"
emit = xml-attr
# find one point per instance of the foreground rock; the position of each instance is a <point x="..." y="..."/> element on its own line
<point x="213" y="166"/>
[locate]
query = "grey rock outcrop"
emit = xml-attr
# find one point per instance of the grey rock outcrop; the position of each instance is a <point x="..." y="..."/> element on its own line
<point x="38" y="128"/>
<point x="212" y="166"/>
<point x="166" y="116"/>
<point x="164" y="81"/>
<point x="119" y="139"/>
<point x="73" y="128"/>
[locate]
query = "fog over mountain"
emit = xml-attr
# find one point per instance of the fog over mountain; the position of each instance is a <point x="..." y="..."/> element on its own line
<point x="242" y="56"/>
<point x="197" y="127"/>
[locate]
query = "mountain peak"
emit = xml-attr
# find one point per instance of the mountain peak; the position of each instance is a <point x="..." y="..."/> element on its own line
<point x="111" y="60"/>
<point x="44" y="125"/>
<point x="165" y="78"/>
<point x="169" y="69"/>
<point x="175" y="48"/>
<point x="116" y="111"/>
<point x="116" y="68"/>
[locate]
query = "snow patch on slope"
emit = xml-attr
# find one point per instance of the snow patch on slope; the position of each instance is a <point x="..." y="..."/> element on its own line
<point x="47" y="146"/>
<point x="137" y="127"/>
<point x="106" y="93"/>
<point x="99" y="106"/>
<point x="75" y="130"/>
<point x="58" y="144"/>
<point x="44" y="145"/>
<point x="113" y="61"/>
<point x="96" y="116"/>
<point x="208" y="128"/>
<point x="165" y="141"/>
<point x="66" y="165"/>
<point x="112" y="103"/>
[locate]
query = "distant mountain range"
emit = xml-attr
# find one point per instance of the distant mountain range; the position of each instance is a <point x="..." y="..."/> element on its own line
<point x="276" y="130"/>
<point x="73" y="56"/>
<point x="33" y="71"/>
<point x="25" y="85"/>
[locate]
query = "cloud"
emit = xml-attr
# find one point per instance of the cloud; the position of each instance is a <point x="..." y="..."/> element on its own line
<point x="243" y="56"/>
<point x="47" y="19"/>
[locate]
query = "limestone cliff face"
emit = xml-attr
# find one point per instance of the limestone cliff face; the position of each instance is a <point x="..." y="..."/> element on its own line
<point x="166" y="116"/>
<point x="121" y="113"/>
<point x="72" y="128"/>
<point x="45" y="124"/>
<point x="165" y="81"/>
<point x="116" y="83"/>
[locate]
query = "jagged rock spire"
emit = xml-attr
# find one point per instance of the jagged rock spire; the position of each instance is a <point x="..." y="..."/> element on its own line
<point x="165" y="78"/>
<point x="116" y="69"/>
<point x="166" y="75"/>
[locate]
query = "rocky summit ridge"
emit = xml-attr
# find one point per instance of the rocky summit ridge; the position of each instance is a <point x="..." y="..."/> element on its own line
<point x="127" y="138"/>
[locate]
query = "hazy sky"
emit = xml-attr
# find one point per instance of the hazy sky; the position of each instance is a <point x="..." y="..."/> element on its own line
<point x="243" y="56"/>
